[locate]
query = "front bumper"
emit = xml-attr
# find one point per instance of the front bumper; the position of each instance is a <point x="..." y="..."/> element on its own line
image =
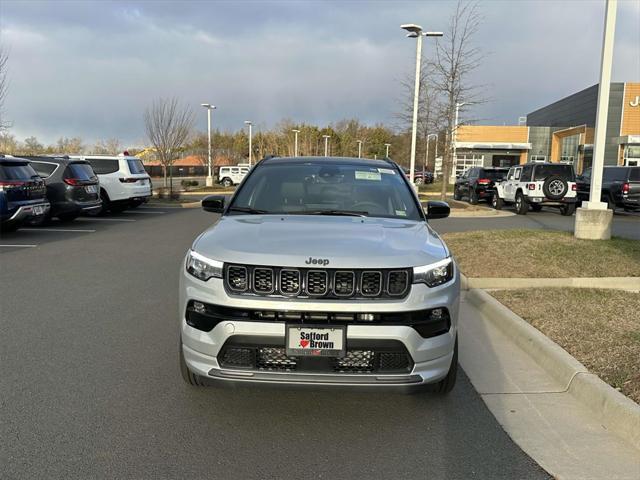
<point x="430" y="357"/>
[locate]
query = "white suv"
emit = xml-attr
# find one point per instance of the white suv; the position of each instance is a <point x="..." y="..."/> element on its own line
<point x="536" y="185"/>
<point x="232" y="175"/>
<point x="124" y="183"/>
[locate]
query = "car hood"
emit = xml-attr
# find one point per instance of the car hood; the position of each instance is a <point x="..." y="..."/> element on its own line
<point x="346" y="242"/>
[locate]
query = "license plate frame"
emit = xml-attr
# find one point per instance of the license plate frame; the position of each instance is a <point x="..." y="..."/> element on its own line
<point x="38" y="210"/>
<point x="91" y="189"/>
<point x="309" y="351"/>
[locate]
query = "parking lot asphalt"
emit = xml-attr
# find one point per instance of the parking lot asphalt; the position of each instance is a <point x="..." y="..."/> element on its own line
<point x="90" y="386"/>
<point x="626" y="225"/>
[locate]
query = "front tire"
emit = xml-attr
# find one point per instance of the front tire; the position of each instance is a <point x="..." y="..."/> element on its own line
<point x="189" y="377"/>
<point x="456" y="194"/>
<point x="226" y="182"/>
<point x="445" y="385"/>
<point x="497" y="202"/>
<point x="522" y="207"/>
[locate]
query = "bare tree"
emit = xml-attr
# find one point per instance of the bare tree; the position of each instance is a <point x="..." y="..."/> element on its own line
<point x="4" y="86"/>
<point x="111" y="146"/>
<point x="168" y="125"/>
<point x="456" y="58"/>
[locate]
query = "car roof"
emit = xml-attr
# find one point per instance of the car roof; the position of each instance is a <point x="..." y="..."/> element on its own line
<point x="52" y="159"/>
<point x="365" y="162"/>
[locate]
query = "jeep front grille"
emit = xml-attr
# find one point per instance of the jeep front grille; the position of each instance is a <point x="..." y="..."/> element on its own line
<point x="316" y="283"/>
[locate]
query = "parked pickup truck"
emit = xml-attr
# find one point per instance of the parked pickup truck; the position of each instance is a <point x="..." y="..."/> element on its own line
<point x="620" y="187"/>
<point x="535" y="185"/>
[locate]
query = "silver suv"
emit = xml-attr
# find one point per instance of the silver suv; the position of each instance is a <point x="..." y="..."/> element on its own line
<point x="321" y="271"/>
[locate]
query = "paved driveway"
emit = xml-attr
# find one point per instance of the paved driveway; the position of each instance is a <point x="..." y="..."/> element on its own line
<point x="90" y="386"/>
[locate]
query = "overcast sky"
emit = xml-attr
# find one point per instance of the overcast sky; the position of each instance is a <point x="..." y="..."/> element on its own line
<point x="90" y="68"/>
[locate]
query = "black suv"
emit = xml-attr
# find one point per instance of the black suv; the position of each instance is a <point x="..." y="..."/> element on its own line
<point x="478" y="183"/>
<point x="72" y="186"/>
<point x="620" y="187"/>
<point x="22" y="193"/>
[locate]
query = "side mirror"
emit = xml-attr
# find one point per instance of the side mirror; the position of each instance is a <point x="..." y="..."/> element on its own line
<point x="213" y="203"/>
<point x="436" y="209"/>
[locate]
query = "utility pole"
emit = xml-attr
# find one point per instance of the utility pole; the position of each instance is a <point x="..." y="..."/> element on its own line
<point x="415" y="31"/>
<point x="387" y="145"/>
<point x="295" y="142"/>
<point x="359" y="142"/>
<point x="326" y="144"/>
<point x="247" y="122"/>
<point x="209" y="107"/>
<point x="594" y="219"/>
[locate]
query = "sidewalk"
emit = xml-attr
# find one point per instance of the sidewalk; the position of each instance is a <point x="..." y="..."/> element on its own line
<point x="536" y="411"/>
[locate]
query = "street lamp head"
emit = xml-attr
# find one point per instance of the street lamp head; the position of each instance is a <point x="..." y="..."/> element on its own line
<point x="208" y="105"/>
<point x="295" y="131"/>
<point x="247" y="122"/>
<point x="326" y="136"/>
<point x="461" y="104"/>
<point x="413" y="29"/>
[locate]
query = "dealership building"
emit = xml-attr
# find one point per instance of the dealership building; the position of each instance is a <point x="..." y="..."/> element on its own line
<point x="560" y="132"/>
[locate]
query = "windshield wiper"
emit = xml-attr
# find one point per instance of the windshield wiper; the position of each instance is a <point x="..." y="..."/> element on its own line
<point x="339" y="213"/>
<point x="250" y="210"/>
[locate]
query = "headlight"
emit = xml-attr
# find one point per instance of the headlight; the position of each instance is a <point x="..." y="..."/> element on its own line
<point x="202" y="267"/>
<point x="434" y="274"/>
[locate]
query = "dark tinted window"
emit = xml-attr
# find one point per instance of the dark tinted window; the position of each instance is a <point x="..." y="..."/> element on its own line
<point x="43" y="169"/>
<point x="16" y="171"/>
<point x="526" y="173"/>
<point x="79" y="171"/>
<point x="634" y="175"/>
<point x="493" y="174"/>
<point x="103" y="165"/>
<point x="316" y="187"/>
<point x="544" y="171"/>
<point x="135" y="166"/>
<point x="615" y="174"/>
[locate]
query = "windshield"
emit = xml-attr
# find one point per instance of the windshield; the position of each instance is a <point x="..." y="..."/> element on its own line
<point x="320" y="188"/>
<point x="135" y="166"/>
<point x="544" y="171"/>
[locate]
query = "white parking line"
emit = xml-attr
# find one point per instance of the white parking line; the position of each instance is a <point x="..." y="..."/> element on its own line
<point x="55" y="230"/>
<point x="100" y="219"/>
<point x="135" y="211"/>
<point x="19" y="246"/>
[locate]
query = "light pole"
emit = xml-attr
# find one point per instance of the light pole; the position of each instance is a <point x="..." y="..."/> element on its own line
<point x="593" y="220"/>
<point x="426" y="157"/>
<point x="247" y="122"/>
<point x="295" y="142"/>
<point x="454" y="135"/>
<point x="415" y="31"/>
<point x="359" y="142"/>
<point x="387" y="145"/>
<point x="209" y="107"/>
<point x="326" y="144"/>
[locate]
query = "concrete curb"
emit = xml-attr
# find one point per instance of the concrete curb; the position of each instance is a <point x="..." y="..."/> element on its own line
<point x="631" y="284"/>
<point x="612" y="409"/>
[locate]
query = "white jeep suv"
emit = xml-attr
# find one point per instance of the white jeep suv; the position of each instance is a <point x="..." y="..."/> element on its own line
<point x="536" y="185"/>
<point x="124" y="183"/>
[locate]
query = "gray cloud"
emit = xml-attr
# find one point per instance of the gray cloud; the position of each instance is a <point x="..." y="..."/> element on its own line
<point x="90" y="68"/>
